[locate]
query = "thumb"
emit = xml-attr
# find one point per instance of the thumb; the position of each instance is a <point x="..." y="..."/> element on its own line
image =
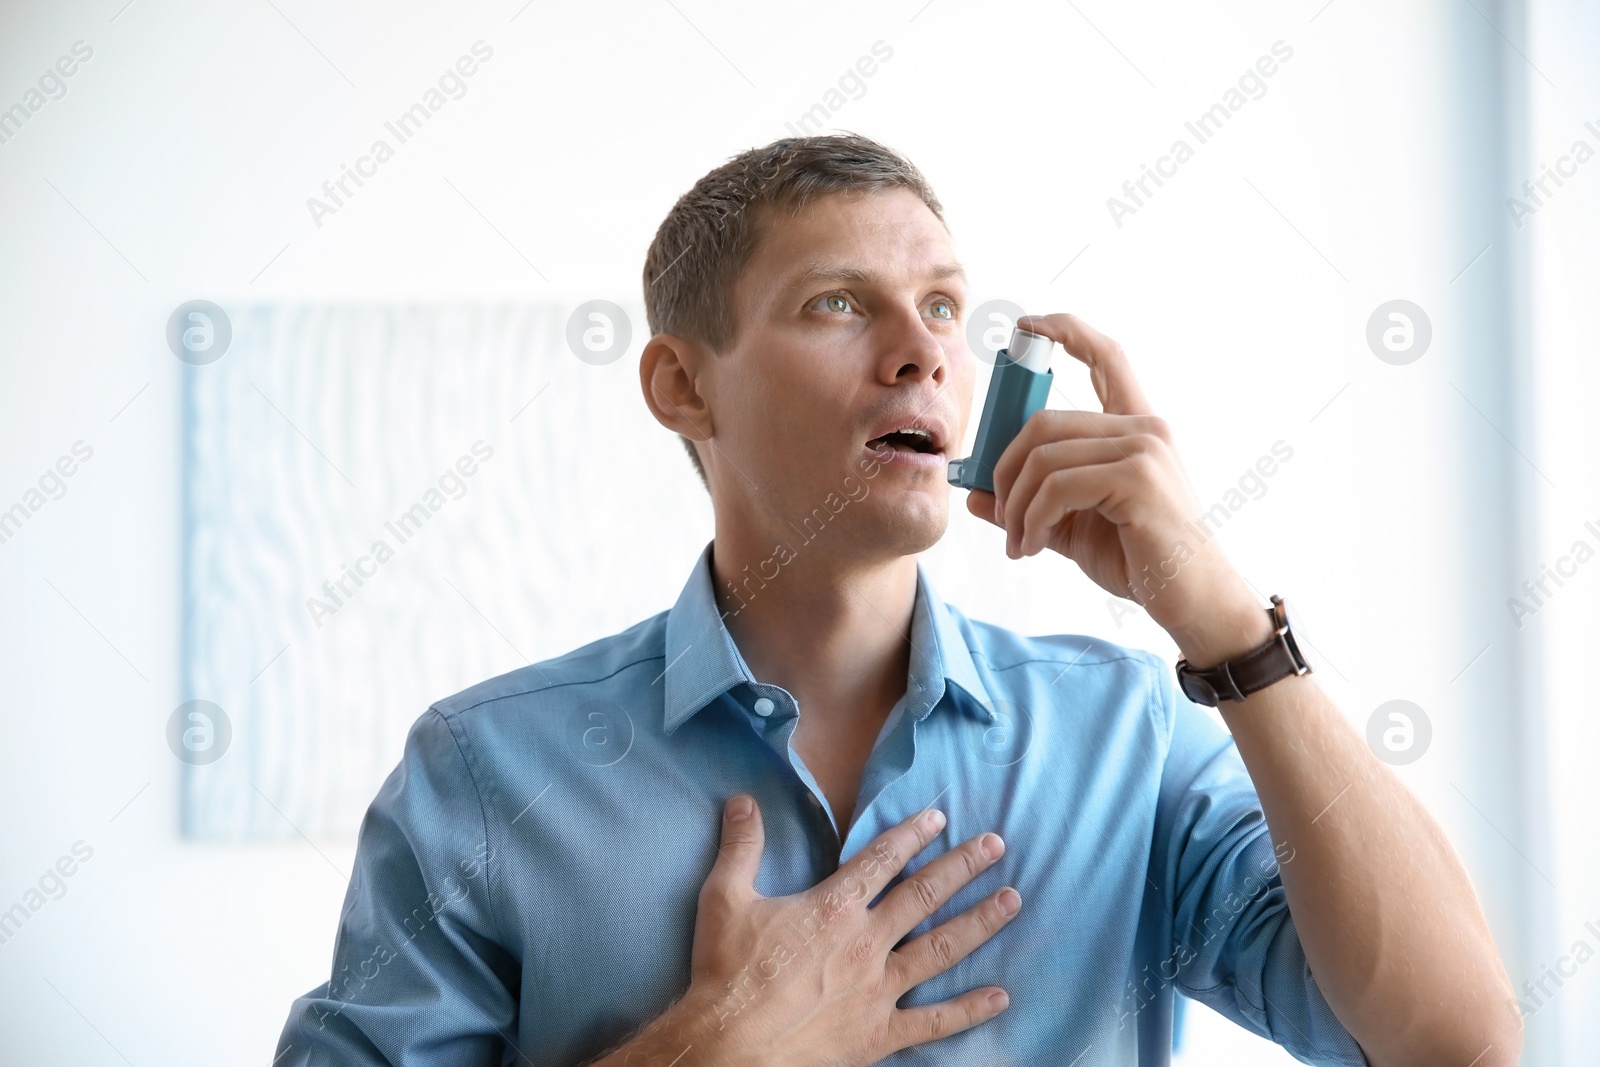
<point x="980" y="502"/>
<point x="739" y="853"/>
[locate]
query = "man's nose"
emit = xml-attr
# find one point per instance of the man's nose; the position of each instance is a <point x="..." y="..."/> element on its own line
<point x="911" y="352"/>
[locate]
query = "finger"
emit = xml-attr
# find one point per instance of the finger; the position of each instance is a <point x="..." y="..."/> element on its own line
<point x="983" y="504"/>
<point x="733" y="875"/>
<point x="1109" y="368"/>
<point x="916" y="898"/>
<point x="948" y="943"/>
<point x="868" y="871"/>
<point x="1051" y="424"/>
<point x="929" y="1022"/>
<point x="1082" y="489"/>
<point x="1044" y="461"/>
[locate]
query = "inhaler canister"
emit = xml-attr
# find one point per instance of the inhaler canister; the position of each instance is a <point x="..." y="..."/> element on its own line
<point x="1020" y="386"/>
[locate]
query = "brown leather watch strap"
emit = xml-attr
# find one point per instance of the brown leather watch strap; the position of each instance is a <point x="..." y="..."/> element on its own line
<point x="1237" y="678"/>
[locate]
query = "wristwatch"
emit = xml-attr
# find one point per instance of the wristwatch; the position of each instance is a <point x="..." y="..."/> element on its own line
<point x="1237" y="678"/>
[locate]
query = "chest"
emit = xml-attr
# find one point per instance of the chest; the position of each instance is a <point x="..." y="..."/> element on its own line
<point x="604" y="897"/>
<point x="836" y="755"/>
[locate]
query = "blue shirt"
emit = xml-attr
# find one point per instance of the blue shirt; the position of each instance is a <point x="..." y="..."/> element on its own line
<point x="526" y="879"/>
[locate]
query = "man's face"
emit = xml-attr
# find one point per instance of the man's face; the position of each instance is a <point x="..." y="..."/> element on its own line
<point x="850" y="326"/>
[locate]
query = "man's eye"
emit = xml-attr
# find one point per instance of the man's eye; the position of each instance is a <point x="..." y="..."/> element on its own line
<point x="943" y="309"/>
<point x="836" y="302"/>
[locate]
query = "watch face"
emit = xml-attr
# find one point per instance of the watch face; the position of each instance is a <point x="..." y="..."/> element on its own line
<point x="1297" y="657"/>
<point x="1197" y="689"/>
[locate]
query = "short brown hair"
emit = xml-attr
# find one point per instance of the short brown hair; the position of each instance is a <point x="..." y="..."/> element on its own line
<point x="710" y="235"/>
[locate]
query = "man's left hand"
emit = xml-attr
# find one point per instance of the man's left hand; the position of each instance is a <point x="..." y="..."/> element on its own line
<point x="1106" y="489"/>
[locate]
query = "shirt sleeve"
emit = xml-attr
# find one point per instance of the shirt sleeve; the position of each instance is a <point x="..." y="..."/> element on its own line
<point x="1233" y="945"/>
<point x="419" y="975"/>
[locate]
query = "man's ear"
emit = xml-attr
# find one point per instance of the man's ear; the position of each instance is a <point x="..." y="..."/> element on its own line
<point x="670" y="375"/>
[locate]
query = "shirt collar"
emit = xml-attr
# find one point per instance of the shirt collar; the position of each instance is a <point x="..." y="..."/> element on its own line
<point x="702" y="662"/>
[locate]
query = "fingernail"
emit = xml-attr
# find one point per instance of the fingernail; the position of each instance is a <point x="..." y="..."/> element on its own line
<point x="991" y="845"/>
<point x="740" y="806"/>
<point x="999" y="1001"/>
<point x="935" y="819"/>
<point x="1010" y="900"/>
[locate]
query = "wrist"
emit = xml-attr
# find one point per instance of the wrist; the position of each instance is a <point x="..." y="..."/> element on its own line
<point x="701" y="1020"/>
<point x="692" y="1022"/>
<point x="1226" y="634"/>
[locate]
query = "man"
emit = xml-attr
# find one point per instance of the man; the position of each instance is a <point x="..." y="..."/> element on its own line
<point x="544" y="878"/>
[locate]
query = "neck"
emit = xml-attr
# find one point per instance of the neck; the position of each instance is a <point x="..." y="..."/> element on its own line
<point x="833" y="631"/>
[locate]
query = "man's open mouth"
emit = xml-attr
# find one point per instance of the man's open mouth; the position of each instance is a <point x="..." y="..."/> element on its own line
<point x="907" y="440"/>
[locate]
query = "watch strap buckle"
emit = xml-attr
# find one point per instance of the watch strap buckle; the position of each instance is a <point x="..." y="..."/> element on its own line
<point x="1279" y="657"/>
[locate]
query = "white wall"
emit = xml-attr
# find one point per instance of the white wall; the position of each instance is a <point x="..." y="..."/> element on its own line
<point x="1564" y="255"/>
<point x="178" y="165"/>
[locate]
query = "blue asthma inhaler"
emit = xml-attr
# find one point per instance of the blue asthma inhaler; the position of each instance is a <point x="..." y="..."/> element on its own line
<point x="1020" y="386"/>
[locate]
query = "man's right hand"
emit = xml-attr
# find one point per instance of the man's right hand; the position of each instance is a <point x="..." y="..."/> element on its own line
<point x="812" y="979"/>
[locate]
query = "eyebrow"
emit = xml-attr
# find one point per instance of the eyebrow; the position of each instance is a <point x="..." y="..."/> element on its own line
<point x="823" y="272"/>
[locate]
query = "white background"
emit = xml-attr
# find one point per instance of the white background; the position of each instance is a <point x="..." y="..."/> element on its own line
<point x="1375" y="167"/>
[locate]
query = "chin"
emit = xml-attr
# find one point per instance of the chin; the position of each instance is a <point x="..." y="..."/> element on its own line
<point x="912" y="524"/>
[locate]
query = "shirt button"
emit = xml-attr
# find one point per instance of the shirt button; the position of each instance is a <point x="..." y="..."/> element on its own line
<point x="764" y="707"/>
